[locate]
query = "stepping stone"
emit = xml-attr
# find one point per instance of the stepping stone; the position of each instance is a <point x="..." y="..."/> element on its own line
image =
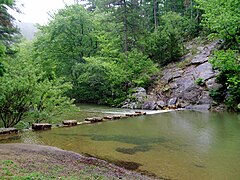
<point x="94" y="119"/>
<point x="70" y="122"/>
<point x="108" y="117"/>
<point x="140" y="113"/>
<point x="7" y="131"/>
<point x="116" y="116"/>
<point x="129" y="115"/>
<point x="84" y="122"/>
<point x="41" y="126"/>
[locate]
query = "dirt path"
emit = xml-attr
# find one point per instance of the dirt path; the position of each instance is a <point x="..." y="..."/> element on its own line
<point x="45" y="162"/>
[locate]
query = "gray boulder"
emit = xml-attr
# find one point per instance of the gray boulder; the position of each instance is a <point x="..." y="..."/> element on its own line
<point x="161" y="104"/>
<point x="136" y="99"/>
<point x="151" y="105"/>
<point x="172" y="102"/>
<point x="171" y="74"/>
<point x="204" y="71"/>
<point x="212" y="85"/>
<point x="191" y="94"/>
<point x="201" y="107"/>
<point x="204" y="98"/>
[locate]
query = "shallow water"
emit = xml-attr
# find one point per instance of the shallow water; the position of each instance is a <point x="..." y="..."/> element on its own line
<point x="175" y="145"/>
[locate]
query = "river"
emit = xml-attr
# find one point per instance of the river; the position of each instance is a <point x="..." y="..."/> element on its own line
<point x="174" y="145"/>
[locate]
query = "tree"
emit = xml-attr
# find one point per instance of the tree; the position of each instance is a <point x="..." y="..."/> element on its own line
<point x="228" y="63"/>
<point x="107" y="80"/>
<point x="2" y="53"/>
<point x="8" y="31"/>
<point x="66" y="40"/>
<point x="129" y="15"/>
<point x="26" y="90"/>
<point x="166" y="44"/>
<point x="222" y="18"/>
<point x="155" y="12"/>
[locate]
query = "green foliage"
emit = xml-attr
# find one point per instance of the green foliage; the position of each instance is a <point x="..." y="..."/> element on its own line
<point x="2" y="53"/>
<point x="166" y="44"/>
<point x="25" y="90"/>
<point x="66" y="40"/>
<point x="216" y="94"/>
<point x="140" y="68"/>
<point x="199" y="81"/>
<point x="228" y="63"/>
<point x="106" y="80"/>
<point x="8" y="32"/>
<point x="222" y="18"/>
<point x="109" y="50"/>
<point x="93" y="80"/>
<point x="92" y="58"/>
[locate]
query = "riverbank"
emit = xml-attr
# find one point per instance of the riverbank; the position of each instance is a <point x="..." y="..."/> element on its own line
<point x="45" y="162"/>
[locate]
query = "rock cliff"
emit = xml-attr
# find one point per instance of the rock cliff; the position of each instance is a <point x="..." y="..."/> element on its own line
<point x="185" y="84"/>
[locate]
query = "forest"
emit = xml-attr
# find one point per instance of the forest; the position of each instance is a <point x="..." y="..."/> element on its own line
<point x="99" y="51"/>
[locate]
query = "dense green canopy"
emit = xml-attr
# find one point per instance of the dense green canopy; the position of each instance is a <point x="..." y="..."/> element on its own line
<point x="100" y="52"/>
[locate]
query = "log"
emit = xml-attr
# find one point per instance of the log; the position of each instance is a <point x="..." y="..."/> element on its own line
<point x="70" y="122"/>
<point x="41" y="126"/>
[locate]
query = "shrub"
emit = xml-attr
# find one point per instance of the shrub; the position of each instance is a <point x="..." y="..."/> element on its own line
<point x="199" y="81"/>
<point x="228" y="63"/>
<point x="107" y="81"/>
<point x="25" y="91"/>
<point x="166" y="44"/>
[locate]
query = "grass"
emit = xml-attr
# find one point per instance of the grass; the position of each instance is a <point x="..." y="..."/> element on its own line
<point x="11" y="170"/>
<point x="184" y="63"/>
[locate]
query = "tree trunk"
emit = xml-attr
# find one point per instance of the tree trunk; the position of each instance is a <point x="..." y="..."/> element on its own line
<point x="125" y="26"/>
<point x="155" y="14"/>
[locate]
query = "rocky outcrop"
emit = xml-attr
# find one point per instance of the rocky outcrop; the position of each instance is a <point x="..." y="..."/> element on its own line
<point x="179" y="87"/>
<point x="136" y="99"/>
